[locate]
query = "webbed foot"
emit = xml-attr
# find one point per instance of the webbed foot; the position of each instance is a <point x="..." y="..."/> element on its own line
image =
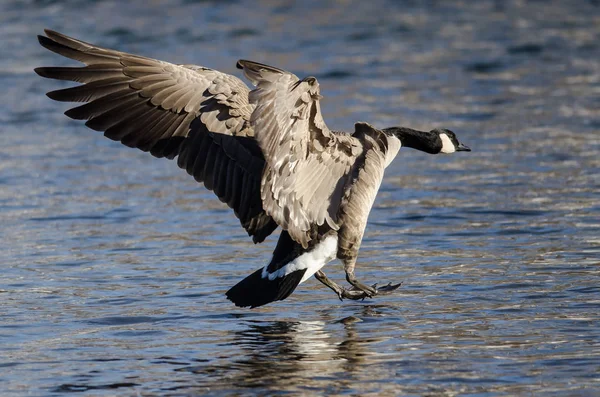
<point x="355" y="293"/>
<point x="386" y="289"/>
<point x="370" y="291"/>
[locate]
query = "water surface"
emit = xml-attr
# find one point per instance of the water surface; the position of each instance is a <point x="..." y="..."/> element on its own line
<point x="115" y="264"/>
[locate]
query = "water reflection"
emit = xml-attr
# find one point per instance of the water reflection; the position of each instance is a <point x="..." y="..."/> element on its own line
<point x="282" y="355"/>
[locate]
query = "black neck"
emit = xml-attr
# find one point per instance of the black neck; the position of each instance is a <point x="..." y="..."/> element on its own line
<point x="425" y="141"/>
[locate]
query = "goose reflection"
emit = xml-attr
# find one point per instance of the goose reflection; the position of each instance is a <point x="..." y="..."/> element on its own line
<point x="296" y="355"/>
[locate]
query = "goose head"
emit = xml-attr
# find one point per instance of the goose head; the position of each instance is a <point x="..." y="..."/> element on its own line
<point x="439" y="140"/>
<point x="447" y="142"/>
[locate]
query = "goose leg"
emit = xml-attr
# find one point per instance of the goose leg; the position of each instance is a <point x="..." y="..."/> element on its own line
<point x="357" y="285"/>
<point x="341" y="292"/>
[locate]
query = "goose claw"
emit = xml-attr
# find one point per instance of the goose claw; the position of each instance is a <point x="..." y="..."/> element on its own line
<point x="386" y="289"/>
<point x="355" y="292"/>
<point x="357" y="285"/>
<point x="389" y="288"/>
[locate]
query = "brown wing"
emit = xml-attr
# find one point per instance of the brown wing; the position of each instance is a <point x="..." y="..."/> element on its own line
<point x="196" y="113"/>
<point x="307" y="163"/>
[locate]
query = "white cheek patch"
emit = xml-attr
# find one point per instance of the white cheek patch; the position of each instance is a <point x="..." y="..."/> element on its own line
<point x="312" y="261"/>
<point x="447" y="145"/>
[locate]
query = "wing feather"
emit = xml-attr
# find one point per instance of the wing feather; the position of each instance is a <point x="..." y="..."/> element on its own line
<point x="169" y="110"/>
<point x="306" y="161"/>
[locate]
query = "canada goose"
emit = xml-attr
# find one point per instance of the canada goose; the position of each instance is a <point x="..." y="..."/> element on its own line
<point x="267" y="153"/>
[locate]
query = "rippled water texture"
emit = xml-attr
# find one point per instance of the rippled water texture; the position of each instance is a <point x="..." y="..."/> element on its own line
<point x="115" y="264"/>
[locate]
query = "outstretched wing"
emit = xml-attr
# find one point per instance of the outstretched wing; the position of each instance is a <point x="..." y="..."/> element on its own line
<point x="308" y="164"/>
<point x="196" y="113"/>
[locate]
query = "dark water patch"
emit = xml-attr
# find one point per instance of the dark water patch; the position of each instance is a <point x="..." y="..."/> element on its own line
<point x="500" y="101"/>
<point x="185" y="2"/>
<point x="408" y="218"/>
<point x="113" y="216"/>
<point x="138" y="334"/>
<point x="570" y="362"/>
<point x="16" y="285"/>
<point x="594" y="123"/>
<point x="73" y="264"/>
<point x="485" y="66"/>
<point x="560" y="156"/>
<point x="464" y="233"/>
<point x="9" y="365"/>
<point x="45" y="3"/>
<point x="485" y="298"/>
<point x="361" y="36"/>
<point x="588" y="47"/>
<point x="130" y="249"/>
<point x="176" y="319"/>
<point x="13" y="326"/>
<point x="508" y="213"/>
<point x="169" y="360"/>
<point x="586" y="290"/>
<point x="509" y="286"/>
<point x="403" y="221"/>
<point x="402" y="28"/>
<point x="68" y="218"/>
<point x="526" y="49"/>
<point x="545" y="268"/>
<point x="445" y="217"/>
<point x="79" y="388"/>
<point x="514" y="231"/>
<point x="338" y="74"/>
<point x="115" y="301"/>
<point x="200" y="369"/>
<point x="546" y="295"/>
<point x="474" y="380"/>
<point x="586" y="305"/>
<point x="23" y="117"/>
<point x="104" y="360"/>
<point x="123" y="320"/>
<point x="126" y="35"/>
<point x="119" y="210"/>
<point x="120" y="32"/>
<point x="283" y="9"/>
<point x="243" y="32"/>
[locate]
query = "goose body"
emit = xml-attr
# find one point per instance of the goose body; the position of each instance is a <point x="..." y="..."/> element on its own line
<point x="266" y="153"/>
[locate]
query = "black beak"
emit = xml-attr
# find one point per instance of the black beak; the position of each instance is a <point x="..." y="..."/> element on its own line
<point x="462" y="148"/>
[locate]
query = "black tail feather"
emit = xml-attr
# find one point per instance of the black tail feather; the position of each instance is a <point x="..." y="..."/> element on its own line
<point x="256" y="291"/>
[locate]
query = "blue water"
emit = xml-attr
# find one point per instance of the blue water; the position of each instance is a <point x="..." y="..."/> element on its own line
<point x="115" y="264"/>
